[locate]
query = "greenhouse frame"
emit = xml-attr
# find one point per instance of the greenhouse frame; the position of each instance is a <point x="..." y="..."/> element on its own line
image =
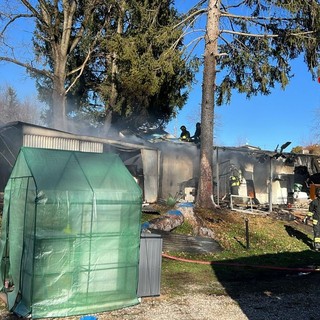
<point x="70" y="234"/>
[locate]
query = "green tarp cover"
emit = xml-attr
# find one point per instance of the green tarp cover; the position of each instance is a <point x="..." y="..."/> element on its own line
<point x="70" y="234"/>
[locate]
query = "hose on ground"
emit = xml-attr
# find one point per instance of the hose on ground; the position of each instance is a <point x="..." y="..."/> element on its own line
<point x="230" y="264"/>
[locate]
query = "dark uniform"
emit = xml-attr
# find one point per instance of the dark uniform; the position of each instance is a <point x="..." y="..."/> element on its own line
<point x="314" y="213"/>
<point x="185" y="134"/>
<point x="196" y="137"/>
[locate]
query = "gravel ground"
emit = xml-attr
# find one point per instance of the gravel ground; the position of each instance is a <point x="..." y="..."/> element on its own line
<point x="255" y="303"/>
<point x="264" y="306"/>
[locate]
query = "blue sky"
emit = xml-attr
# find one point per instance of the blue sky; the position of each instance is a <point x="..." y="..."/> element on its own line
<point x="263" y="121"/>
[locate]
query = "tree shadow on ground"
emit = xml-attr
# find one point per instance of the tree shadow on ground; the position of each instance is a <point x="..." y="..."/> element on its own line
<point x="292" y="232"/>
<point x="265" y="288"/>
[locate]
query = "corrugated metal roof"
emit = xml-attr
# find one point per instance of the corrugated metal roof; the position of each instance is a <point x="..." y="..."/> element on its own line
<point x="37" y="141"/>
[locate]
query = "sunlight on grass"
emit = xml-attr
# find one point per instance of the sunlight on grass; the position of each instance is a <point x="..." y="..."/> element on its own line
<point x="273" y="245"/>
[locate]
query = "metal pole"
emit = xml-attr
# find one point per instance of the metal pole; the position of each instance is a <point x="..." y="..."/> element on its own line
<point x="270" y="185"/>
<point x="247" y="233"/>
<point x="217" y="176"/>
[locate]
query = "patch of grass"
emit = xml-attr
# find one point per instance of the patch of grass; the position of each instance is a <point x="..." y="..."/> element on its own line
<point x="179" y="277"/>
<point x="276" y="249"/>
<point x="148" y="217"/>
<point x="186" y="228"/>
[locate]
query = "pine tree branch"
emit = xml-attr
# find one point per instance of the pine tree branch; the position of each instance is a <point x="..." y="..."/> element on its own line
<point x="190" y="51"/>
<point x="186" y="32"/>
<point x="197" y="40"/>
<point x="241" y="44"/>
<point x="257" y="35"/>
<point x="233" y="6"/>
<point x="189" y="17"/>
<point x="248" y="18"/>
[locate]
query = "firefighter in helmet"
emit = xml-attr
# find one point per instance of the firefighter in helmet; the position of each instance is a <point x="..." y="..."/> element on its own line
<point x="314" y="214"/>
<point x="234" y="183"/>
<point x="185" y="134"/>
<point x="197" y="134"/>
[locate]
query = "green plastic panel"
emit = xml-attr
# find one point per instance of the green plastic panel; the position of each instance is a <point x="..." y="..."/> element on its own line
<point x="70" y="234"/>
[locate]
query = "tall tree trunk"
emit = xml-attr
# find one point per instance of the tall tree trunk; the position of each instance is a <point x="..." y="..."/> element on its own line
<point x="58" y="119"/>
<point x="114" y="68"/>
<point x="58" y="112"/>
<point x="114" y="71"/>
<point x="205" y="187"/>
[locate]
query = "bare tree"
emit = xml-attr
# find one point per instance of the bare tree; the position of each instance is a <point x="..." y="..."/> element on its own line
<point x="60" y="27"/>
<point x="13" y="109"/>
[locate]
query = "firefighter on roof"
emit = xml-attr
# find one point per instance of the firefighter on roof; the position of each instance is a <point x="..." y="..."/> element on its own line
<point x="314" y="214"/>
<point x="185" y="134"/>
<point x="196" y="137"/>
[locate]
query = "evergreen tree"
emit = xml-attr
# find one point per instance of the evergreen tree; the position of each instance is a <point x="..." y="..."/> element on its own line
<point x="13" y="109"/>
<point x="9" y="104"/>
<point x="139" y="75"/>
<point x="152" y="73"/>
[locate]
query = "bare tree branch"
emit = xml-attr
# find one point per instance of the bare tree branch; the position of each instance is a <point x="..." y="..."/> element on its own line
<point x="34" y="11"/>
<point x="83" y="65"/>
<point x="189" y="17"/>
<point x="251" y="18"/>
<point x="27" y="66"/>
<point x="12" y="20"/>
<point x="81" y="69"/>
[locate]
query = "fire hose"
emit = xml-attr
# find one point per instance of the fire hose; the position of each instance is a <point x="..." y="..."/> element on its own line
<point x="304" y="270"/>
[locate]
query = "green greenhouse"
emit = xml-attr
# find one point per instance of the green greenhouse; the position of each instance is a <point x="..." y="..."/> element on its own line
<point x="70" y="234"/>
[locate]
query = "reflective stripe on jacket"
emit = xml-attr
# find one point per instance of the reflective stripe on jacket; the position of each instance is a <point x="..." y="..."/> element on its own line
<point x="314" y="210"/>
<point x="234" y="181"/>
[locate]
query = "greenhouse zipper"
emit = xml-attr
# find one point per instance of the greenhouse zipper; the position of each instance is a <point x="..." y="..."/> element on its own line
<point x="240" y="264"/>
